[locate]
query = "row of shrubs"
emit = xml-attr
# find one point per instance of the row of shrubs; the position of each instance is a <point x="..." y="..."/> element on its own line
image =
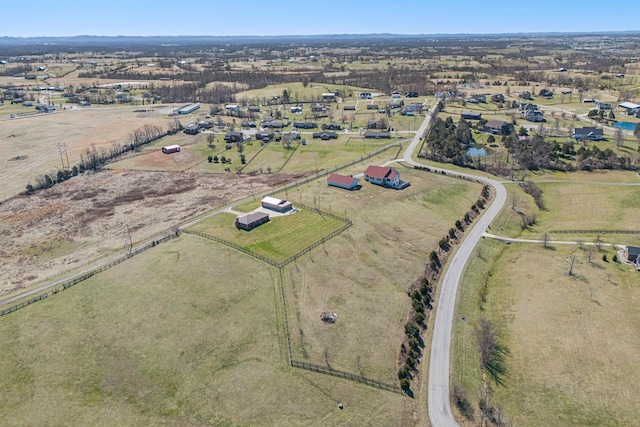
<point x="421" y="295"/>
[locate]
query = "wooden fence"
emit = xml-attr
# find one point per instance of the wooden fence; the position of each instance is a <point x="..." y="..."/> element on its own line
<point x="594" y="231"/>
<point x="346" y="375"/>
<point x="84" y="276"/>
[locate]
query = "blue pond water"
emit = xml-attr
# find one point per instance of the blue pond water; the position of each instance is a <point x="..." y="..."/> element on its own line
<point x="476" y="152"/>
<point x="625" y="125"/>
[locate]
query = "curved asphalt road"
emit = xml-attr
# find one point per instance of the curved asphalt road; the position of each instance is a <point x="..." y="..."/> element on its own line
<point x="439" y="368"/>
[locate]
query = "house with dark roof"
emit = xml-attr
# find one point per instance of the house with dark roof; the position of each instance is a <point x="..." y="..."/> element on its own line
<point x="251" y="220"/>
<point x="373" y="107"/>
<point x="377" y="135"/>
<point x="325" y="135"/>
<point x="332" y="126"/>
<point x="385" y="177"/>
<point x="264" y="136"/>
<point x="632" y="254"/>
<point x="342" y="181"/>
<point x="533" y="115"/>
<point x="498" y="127"/>
<point x="192" y="129"/>
<point x="304" y="125"/>
<point x="525" y="95"/>
<point x="497" y="97"/>
<point x="349" y="108"/>
<point x="477" y="99"/>
<point x="468" y="115"/>
<point x="234" y="137"/>
<point x="590" y="133"/>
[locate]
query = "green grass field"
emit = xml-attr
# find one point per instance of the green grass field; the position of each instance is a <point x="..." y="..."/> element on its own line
<point x="192" y="338"/>
<point x="363" y="274"/>
<point x="278" y="239"/>
<point x="572" y="340"/>
<point x="575" y="206"/>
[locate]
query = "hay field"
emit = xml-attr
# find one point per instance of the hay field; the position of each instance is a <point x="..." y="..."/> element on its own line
<point x="34" y="140"/>
<point x="573" y="340"/>
<point x="184" y="341"/>
<point x="362" y="275"/>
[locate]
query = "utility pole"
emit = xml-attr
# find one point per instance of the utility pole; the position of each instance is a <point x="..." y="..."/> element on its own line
<point x="130" y="242"/>
<point x="64" y="157"/>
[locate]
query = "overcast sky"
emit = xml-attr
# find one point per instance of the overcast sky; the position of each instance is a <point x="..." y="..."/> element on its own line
<point x="304" y="17"/>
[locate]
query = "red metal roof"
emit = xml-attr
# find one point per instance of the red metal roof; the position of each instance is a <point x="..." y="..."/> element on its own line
<point x="379" y="172"/>
<point x="340" y="179"/>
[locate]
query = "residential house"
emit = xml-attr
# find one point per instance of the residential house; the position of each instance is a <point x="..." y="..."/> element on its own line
<point x="291" y="136"/>
<point x="373" y="107"/>
<point x="318" y="107"/>
<point x="329" y="97"/>
<point x="411" y="94"/>
<point x="468" y="115"/>
<point x="477" y="99"/>
<point x="248" y="124"/>
<point x="251" y="220"/>
<point x="497" y="98"/>
<point x="385" y="177"/>
<point x="533" y="115"/>
<point x="332" y="126"/>
<point x="304" y="125"/>
<point x="632" y="254"/>
<point x="192" y="129"/>
<point x="273" y="124"/>
<point x="590" y="133"/>
<point x="296" y="109"/>
<point x="498" y="127"/>
<point x="349" y="108"/>
<point x="234" y="137"/>
<point x="546" y="93"/>
<point x="264" y="136"/>
<point x="377" y="135"/>
<point x="343" y="181"/>
<point x="526" y="95"/>
<point x="602" y="105"/>
<point x="254" y="108"/>
<point x="325" y="136"/>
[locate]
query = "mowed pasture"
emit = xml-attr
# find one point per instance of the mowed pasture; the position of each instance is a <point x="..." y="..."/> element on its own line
<point x="586" y="206"/>
<point x="193" y="337"/>
<point x="363" y="274"/>
<point x="272" y="158"/>
<point x="572" y="340"/>
<point x="29" y="145"/>
<point x="278" y="239"/>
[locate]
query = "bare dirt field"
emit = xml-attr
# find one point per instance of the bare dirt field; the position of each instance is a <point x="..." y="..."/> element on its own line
<point x="65" y="227"/>
<point x="29" y="145"/>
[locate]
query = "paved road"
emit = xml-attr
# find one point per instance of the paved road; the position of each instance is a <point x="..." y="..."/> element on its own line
<point x="438" y="389"/>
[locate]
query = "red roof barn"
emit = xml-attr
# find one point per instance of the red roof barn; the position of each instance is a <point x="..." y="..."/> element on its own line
<point x="342" y="181"/>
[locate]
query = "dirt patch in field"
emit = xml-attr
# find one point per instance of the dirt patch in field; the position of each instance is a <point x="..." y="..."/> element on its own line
<point x="80" y="220"/>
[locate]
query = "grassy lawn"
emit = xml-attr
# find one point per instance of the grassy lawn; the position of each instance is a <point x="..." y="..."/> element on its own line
<point x="363" y="274"/>
<point x="317" y="153"/>
<point x="579" y="206"/>
<point x="183" y="341"/>
<point x="278" y="239"/>
<point x="572" y="340"/>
